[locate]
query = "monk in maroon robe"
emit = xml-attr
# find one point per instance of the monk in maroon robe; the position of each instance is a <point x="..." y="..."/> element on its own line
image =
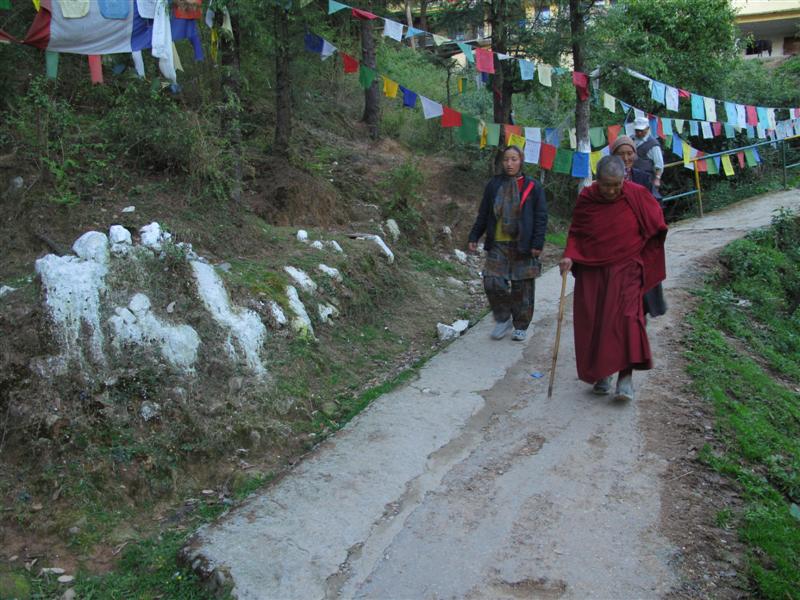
<point x="615" y="249"/>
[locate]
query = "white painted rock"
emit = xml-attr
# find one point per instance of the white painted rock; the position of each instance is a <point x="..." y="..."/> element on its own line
<point x="302" y="236"/>
<point x="381" y="244"/>
<point x="66" y="579"/>
<point x="460" y="326"/>
<point x="119" y="235"/>
<point x="301" y="323"/>
<point x="129" y="209"/>
<point x="277" y="313"/>
<point x="6" y="289"/>
<point x="393" y="228"/>
<point x="301" y="279"/>
<point x="446" y="332"/>
<point x="52" y="571"/>
<point x="316" y="244"/>
<point x="139" y="304"/>
<point x="93" y="246"/>
<point x="149" y="410"/>
<point x="461" y="256"/>
<point x="335" y="245"/>
<point x="326" y="312"/>
<point x="330" y="272"/>
<point x="153" y="237"/>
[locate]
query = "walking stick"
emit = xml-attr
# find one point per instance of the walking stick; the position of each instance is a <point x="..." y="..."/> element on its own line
<point x="558" y="334"/>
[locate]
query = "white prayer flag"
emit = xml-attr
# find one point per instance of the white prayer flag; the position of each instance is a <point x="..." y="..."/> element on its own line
<point x="327" y="49"/>
<point x="711" y="108"/>
<point x="532" y="152"/>
<point x="672" y="97"/>
<point x="706" y="127"/>
<point x="573" y="138"/>
<point x="741" y="115"/>
<point x="609" y="102"/>
<point x="430" y="108"/>
<point x="545" y="74"/>
<point x="678" y="125"/>
<point x="533" y="134"/>
<point x="393" y="29"/>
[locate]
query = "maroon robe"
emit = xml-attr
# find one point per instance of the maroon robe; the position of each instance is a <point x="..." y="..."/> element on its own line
<point x="617" y="249"/>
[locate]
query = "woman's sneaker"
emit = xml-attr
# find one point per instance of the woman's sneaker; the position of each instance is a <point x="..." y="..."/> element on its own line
<point x="501" y="329"/>
<point x="602" y="387"/>
<point x="624" y="389"/>
<point x="519" y="335"/>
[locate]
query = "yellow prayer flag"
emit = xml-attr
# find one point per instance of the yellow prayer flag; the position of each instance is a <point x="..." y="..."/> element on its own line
<point x="484" y="134"/>
<point x="214" y="44"/>
<point x="390" y="88"/>
<point x="727" y="166"/>
<point x="176" y="59"/>
<point x="516" y="140"/>
<point x="37" y="4"/>
<point x="686" y="152"/>
<point x="460" y="85"/>
<point x="594" y="158"/>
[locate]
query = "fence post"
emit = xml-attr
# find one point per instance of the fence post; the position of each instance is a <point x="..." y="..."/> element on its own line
<point x="697" y="185"/>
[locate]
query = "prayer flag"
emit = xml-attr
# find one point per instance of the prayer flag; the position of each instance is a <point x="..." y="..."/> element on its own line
<point x="613" y="133"/>
<point x="727" y="167"/>
<point x="350" y="63"/>
<point x="711" y="166"/>
<point x="327" y="48"/>
<point x="752" y="115"/>
<point x="363" y="14"/>
<point x="313" y="43"/>
<point x="119" y="9"/>
<point x="96" y="68"/>
<point x="716" y="127"/>
<point x="533" y="134"/>
<point x="740" y="158"/>
<point x="660" y="128"/>
<point x="761" y="113"/>
<point x="672" y="99"/>
<point x="563" y="161"/>
<point x="597" y="137"/>
<point x="580" y="165"/>
<point x="638" y="113"/>
<point x="629" y="130"/>
<point x="74" y="9"/>
<point x="493" y="134"/>
<point x="5" y="4"/>
<point x="467" y="50"/>
<point x="686" y="152"/>
<point x="51" y="62"/>
<point x="409" y="97"/>
<point x="438" y="40"/>
<point x="751" y="132"/>
<point x="741" y="115"/>
<point x="677" y="145"/>
<point x="679" y="125"/>
<point x="729" y="131"/>
<point x="510" y="130"/>
<point x="547" y="156"/>
<point x="545" y="74"/>
<point x="413" y="31"/>
<point x="460" y="85"/>
<point x="581" y="83"/>
<point x="484" y="133"/>
<point x="683" y="93"/>
<point x="552" y="136"/>
<point x="706" y="127"/>
<point x="468" y="132"/>
<point x="573" y="139"/>
<point x="625" y="107"/>
<point x="334" y="6"/>
<point x="430" y="109"/>
<point x="711" y="109"/>
<point x="668" y="141"/>
<point x="609" y="102"/>
<point x="532" y="152"/>
<point x="484" y="60"/>
<point x="694" y="129"/>
<point x="750" y="157"/>
<point x="730" y="113"/>
<point x="594" y="158"/>
<point x="366" y="75"/>
<point x="525" y="69"/>
<point x="516" y="140"/>
<point x="450" y="117"/>
<point x="393" y="29"/>
<point x="658" y="92"/>
<point x="700" y="165"/>
<point x="698" y="108"/>
<point x="390" y="88"/>
<point x="666" y="125"/>
<point x="760" y="131"/>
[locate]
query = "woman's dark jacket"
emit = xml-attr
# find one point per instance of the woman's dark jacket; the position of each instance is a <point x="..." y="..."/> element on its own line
<point x="643" y="178"/>
<point x="532" y="220"/>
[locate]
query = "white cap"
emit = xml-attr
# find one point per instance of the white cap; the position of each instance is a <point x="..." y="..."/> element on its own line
<point x="641" y="123"/>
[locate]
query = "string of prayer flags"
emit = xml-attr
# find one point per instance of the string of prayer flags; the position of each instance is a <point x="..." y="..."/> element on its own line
<point x="525" y="69"/>
<point x="580" y="165"/>
<point x="533" y="151"/>
<point x="484" y="60"/>
<point x="563" y="161"/>
<point x="364" y="15"/>
<point x="467" y="50"/>
<point x="390" y="88"/>
<point x="350" y="63"/>
<point x="393" y="29"/>
<point x="671" y="98"/>
<point x="658" y="92"/>
<point x="727" y="167"/>
<point x="430" y="109"/>
<point x="581" y="83"/>
<point x="545" y="73"/>
<point x="334" y="6"/>
<point x="450" y="117"/>
<point x="547" y="156"/>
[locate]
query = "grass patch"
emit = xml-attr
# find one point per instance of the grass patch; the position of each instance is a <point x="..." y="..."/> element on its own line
<point x="744" y="352"/>
<point x="425" y="262"/>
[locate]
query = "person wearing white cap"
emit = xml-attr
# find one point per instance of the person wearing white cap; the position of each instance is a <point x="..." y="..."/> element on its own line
<point x="650" y="157"/>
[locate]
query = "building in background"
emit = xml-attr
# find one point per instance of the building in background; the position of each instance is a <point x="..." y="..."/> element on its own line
<point x="773" y="26"/>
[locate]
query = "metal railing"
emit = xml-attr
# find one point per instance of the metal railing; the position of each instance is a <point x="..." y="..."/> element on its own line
<point x="698" y="188"/>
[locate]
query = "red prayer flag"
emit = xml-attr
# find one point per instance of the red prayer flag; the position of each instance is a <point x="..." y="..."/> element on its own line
<point x="740" y="158"/>
<point x="511" y="129"/>
<point x="484" y="60"/>
<point x="96" y="68"/>
<point x="363" y="14"/>
<point x="450" y="117"/>
<point x="547" y="156"/>
<point x="350" y="63"/>
<point x="684" y="94"/>
<point x="660" y="131"/>
<point x="752" y="115"/>
<point x="581" y="82"/>
<point x="613" y="133"/>
<point x="717" y="127"/>
<point x="189" y="10"/>
<point x="701" y="165"/>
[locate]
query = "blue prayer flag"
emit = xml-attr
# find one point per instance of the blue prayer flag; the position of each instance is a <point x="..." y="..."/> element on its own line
<point x="580" y="165"/>
<point x="698" y="108"/>
<point x="313" y="42"/>
<point x="751" y="132"/>
<point x="409" y="97"/>
<point x="677" y="145"/>
<point x="694" y="128"/>
<point x="667" y="125"/>
<point x="729" y="133"/>
<point x="552" y="136"/>
<point x="658" y="92"/>
<point x="525" y="69"/>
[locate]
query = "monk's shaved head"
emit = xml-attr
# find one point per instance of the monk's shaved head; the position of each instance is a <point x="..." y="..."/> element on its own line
<point x="610" y="167"/>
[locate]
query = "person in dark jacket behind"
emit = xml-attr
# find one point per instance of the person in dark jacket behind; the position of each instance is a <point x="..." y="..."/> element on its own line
<point x="513" y="215"/>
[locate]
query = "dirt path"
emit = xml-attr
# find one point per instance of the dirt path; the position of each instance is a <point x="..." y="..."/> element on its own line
<point x="469" y="483"/>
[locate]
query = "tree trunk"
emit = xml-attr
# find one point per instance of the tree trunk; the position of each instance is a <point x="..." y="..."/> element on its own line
<point x="371" y="94"/>
<point x="283" y="84"/>
<point x="578" y="30"/>
<point x="232" y="108"/>
<point x="423" y="15"/>
<point x="410" y="23"/>
<point x="502" y="82"/>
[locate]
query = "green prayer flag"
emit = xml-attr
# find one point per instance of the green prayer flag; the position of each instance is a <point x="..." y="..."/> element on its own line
<point x="668" y="142"/>
<point x="492" y="133"/>
<point x="467" y="50"/>
<point x="468" y="132"/>
<point x="751" y="158"/>
<point x="711" y="165"/>
<point x="6" y="4"/>
<point x="597" y="136"/>
<point x="366" y="76"/>
<point x="51" y="60"/>
<point x="563" y="161"/>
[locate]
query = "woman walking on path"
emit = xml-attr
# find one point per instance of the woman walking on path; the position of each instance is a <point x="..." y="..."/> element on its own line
<point x="513" y="215"/>
<point x="615" y="250"/>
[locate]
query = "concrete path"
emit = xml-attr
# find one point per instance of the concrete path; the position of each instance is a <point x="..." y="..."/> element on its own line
<point x="469" y="483"/>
